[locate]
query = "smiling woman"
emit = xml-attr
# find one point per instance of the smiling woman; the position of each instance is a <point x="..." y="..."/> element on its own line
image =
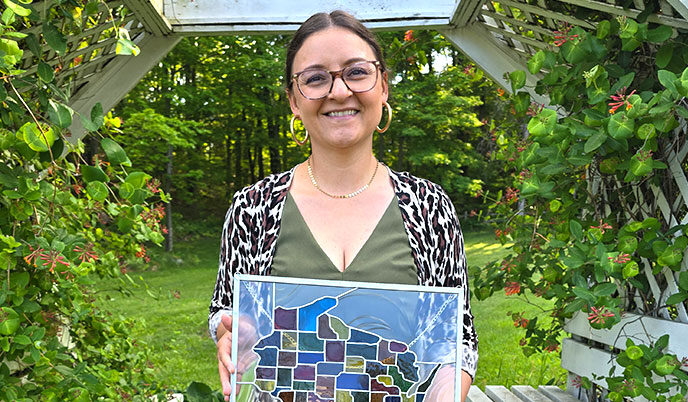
<point x="342" y="214"/>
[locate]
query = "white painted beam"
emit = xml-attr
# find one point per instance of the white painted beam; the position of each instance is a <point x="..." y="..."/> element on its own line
<point x="150" y="13"/>
<point x="476" y="395"/>
<point x="118" y="78"/>
<point x="499" y="393"/>
<point x="465" y="12"/>
<point x="641" y="329"/>
<point x="495" y="59"/>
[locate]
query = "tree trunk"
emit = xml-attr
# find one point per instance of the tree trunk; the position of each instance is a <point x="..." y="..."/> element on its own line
<point x="250" y="159"/>
<point x="273" y="135"/>
<point x="228" y="164"/>
<point x="168" y="187"/>
<point x="238" y="179"/>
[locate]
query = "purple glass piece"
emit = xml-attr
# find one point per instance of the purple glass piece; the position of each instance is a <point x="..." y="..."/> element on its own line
<point x="324" y="387"/>
<point x="265" y="373"/>
<point x="285" y="319"/>
<point x="303" y="372"/>
<point x="334" y="351"/>
<point x="324" y="329"/>
<point x="397" y="347"/>
<point x="383" y="354"/>
<point x="375" y="385"/>
<point x="286" y="359"/>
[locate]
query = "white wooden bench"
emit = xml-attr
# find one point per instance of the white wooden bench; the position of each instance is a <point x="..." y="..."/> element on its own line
<point x="519" y="393"/>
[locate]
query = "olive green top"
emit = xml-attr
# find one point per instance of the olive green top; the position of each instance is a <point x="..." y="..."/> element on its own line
<point x="384" y="258"/>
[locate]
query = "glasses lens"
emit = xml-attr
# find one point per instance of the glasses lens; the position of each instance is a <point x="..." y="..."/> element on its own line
<point x="315" y="83"/>
<point x="360" y="77"/>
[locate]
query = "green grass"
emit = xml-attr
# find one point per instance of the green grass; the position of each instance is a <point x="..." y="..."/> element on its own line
<point x="174" y="323"/>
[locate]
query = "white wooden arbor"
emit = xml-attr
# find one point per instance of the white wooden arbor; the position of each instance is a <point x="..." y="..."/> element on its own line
<point x="499" y="36"/>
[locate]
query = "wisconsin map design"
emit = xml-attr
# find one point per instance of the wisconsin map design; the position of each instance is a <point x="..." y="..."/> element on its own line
<point x="312" y="356"/>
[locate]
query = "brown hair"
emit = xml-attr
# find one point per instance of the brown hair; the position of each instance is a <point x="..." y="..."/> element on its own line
<point x="321" y="21"/>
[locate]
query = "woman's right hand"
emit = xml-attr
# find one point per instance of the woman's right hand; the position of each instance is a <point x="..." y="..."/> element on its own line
<point x="224" y="355"/>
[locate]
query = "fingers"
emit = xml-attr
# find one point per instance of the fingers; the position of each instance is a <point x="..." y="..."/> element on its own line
<point x="225" y="380"/>
<point x="227" y="322"/>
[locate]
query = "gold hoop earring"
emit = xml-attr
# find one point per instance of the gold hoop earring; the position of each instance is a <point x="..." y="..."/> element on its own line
<point x="389" y="119"/>
<point x="293" y="135"/>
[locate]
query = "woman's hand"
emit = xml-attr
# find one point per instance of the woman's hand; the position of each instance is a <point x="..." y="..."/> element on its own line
<point x="247" y="339"/>
<point x="224" y="355"/>
<point x="442" y="387"/>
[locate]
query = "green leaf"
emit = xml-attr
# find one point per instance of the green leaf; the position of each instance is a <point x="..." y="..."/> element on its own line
<point x="126" y="47"/>
<point x="664" y="55"/>
<point x="10" y="323"/>
<point x="554" y="205"/>
<point x="114" y="152"/>
<point x="671" y="256"/>
<point x="97" y="115"/>
<point x="45" y="72"/>
<point x="521" y="102"/>
<point x="573" y="52"/>
<point x="22" y="339"/>
<point x="620" y="126"/>
<point x="8" y="17"/>
<point x="630" y="270"/>
<point x="628" y="244"/>
<point x="54" y="38"/>
<point x="97" y="190"/>
<point x="659" y="34"/>
<point x="536" y="61"/>
<point x="646" y="131"/>
<point x="595" y="141"/>
<point x="88" y="124"/>
<point x="641" y="166"/>
<point x="12" y="52"/>
<point x="17" y="9"/>
<point x="543" y="123"/>
<point x="126" y="190"/>
<point x="517" y="79"/>
<point x="574" y="306"/>
<point x="60" y="114"/>
<point x="683" y="281"/>
<point x="35" y="139"/>
<point x="676" y="298"/>
<point x="604" y="289"/>
<point x="603" y="29"/>
<point x="576" y="229"/>
<point x="584" y="294"/>
<point x="93" y="173"/>
<point x="668" y="80"/>
<point x="137" y="179"/>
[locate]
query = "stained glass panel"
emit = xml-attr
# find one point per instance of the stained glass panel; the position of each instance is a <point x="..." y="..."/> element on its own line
<point x="312" y="340"/>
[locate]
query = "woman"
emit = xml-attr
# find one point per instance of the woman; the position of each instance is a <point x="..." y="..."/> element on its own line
<point x="341" y="214"/>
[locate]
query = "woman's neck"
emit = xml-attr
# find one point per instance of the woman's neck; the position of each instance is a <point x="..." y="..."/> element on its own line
<point x="342" y="172"/>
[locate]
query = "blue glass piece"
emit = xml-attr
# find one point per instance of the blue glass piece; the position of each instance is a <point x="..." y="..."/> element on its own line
<point x="308" y="315"/>
<point x="284" y="377"/>
<point x="407" y="368"/>
<point x="278" y="390"/>
<point x="390" y="398"/>
<point x="268" y="357"/>
<point x="274" y="339"/>
<point x="353" y="381"/>
<point x="375" y="369"/>
<point x="301" y="397"/>
<point x="329" y="368"/>
<point x="310" y="357"/>
<point x="420" y="397"/>
<point x="265" y="373"/>
<point x="324" y="329"/>
<point x="368" y="352"/>
<point x="285" y="319"/>
<point x="363" y="337"/>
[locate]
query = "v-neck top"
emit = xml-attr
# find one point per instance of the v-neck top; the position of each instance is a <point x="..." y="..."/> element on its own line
<point x="384" y="258"/>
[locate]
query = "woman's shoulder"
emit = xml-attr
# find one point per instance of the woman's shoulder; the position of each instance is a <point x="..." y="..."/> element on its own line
<point x="265" y="189"/>
<point x="405" y="182"/>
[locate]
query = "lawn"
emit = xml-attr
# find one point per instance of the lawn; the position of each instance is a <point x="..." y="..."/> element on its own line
<point x="174" y="323"/>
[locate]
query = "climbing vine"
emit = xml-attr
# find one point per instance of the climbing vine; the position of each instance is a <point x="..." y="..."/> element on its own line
<point x="68" y="217"/>
<point x="582" y="213"/>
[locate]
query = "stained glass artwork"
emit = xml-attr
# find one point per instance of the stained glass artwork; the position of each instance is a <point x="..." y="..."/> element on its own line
<point x="307" y="340"/>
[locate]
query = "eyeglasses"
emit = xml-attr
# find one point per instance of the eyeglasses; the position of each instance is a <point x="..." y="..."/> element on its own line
<point x="317" y="83"/>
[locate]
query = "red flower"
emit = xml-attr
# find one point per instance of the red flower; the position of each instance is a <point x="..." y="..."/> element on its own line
<point x="562" y="35"/>
<point x="512" y="288"/>
<point x="408" y="36"/>
<point x="620" y="99"/>
<point x="602" y="227"/>
<point x="621" y="258"/>
<point x="500" y="92"/>
<point x="511" y="195"/>
<point x="534" y="109"/>
<point x="577" y="381"/>
<point x="53" y="258"/>
<point x="552" y="346"/>
<point x="141" y="253"/>
<point x="599" y="316"/>
<point x="31" y="258"/>
<point x="86" y="254"/>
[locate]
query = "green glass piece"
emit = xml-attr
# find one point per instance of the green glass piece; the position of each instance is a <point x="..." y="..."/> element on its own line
<point x="344" y="396"/>
<point x="289" y="340"/>
<point x="361" y="396"/>
<point x="309" y="342"/>
<point x="339" y="327"/>
<point x="354" y="364"/>
<point x="398" y="379"/>
<point x="303" y="385"/>
<point x="385" y="379"/>
<point x="266" y="385"/>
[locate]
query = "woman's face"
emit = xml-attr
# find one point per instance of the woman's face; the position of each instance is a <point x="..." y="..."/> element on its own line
<point x="342" y="119"/>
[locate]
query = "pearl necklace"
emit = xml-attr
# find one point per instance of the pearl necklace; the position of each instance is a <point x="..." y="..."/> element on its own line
<point x="350" y="195"/>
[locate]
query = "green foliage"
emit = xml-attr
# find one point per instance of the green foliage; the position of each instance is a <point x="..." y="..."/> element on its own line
<point x="62" y="225"/>
<point x="580" y="241"/>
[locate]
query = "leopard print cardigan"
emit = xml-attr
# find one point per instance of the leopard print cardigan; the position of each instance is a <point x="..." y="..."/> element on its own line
<point x="252" y="225"/>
